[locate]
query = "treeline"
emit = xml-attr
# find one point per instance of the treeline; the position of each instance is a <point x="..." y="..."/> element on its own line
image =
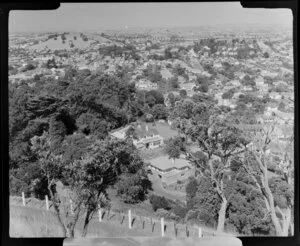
<point x="117" y="51"/>
<point x="245" y="49"/>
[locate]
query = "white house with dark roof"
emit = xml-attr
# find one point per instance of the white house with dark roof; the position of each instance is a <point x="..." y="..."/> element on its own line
<point x="144" y="84"/>
<point x="170" y="170"/>
<point x="145" y="137"/>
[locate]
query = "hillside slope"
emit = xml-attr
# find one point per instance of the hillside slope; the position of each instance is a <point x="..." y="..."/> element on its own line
<point x="37" y="222"/>
<point x="34" y="222"/>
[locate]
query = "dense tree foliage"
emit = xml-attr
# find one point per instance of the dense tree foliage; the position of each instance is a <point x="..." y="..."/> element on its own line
<point x="86" y="179"/>
<point x="174" y="147"/>
<point x="158" y="202"/>
<point x="81" y="102"/>
<point x="133" y="188"/>
<point x="159" y="111"/>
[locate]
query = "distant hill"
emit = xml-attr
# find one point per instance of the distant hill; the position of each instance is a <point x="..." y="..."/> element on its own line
<point x="69" y="41"/>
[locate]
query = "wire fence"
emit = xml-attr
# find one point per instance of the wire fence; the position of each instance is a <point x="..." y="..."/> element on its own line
<point x="148" y="225"/>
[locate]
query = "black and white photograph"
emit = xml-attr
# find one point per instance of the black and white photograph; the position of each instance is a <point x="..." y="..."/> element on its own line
<point x="158" y="120"/>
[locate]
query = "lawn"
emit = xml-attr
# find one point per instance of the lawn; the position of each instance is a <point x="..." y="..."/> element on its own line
<point x="164" y="130"/>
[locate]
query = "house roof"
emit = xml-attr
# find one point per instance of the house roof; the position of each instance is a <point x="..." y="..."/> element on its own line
<point x="164" y="163"/>
<point x="142" y="130"/>
<point x="157" y="138"/>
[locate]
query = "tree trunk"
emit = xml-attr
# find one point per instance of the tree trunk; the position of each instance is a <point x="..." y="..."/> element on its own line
<point x="292" y="228"/>
<point x="86" y="223"/>
<point x="269" y="198"/>
<point x="84" y="231"/>
<point x="61" y="223"/>
<point x="70" y="233"/>
<point x="222" y="215"/>
<point x="57" y="214"/>
<point x="276" y="223"/>
<point x="286" y="221"/>
<point x="274" y="217"/>
<point x="73" y="222"/>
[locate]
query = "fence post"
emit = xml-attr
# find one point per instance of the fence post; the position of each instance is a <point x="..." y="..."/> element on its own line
<point x="23" y="199"/>
<point x="122" y="219"/>
<point x="200" y="232"/>
<point x="129" y="219"/>
<point x="162" y="227"/>
<point x="99" y="213"/>
<point x="47" y="202"/>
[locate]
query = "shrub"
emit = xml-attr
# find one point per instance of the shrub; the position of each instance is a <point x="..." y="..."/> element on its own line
<point x="228" y="95"/>
<point x="29" y="67"/>
<point x="179" y="211"/>
<point x="13" y="71"/>
<point x="203" y="88"/>
<point x="159" y="111"/>
<point x="37" y="77"/>
<point x="191" y="188"/>
<point x="167" y="215"/>
<point x="159" y="202"/>
<point x="266" y="55"/>
<point x="132" y="188"/>
<point x="183" y="93"/>
<point x="202" y="216"/>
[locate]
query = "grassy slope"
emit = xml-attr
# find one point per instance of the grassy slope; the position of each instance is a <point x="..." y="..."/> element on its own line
<point x="32" y="222"/>
<point x="35" y="221"/>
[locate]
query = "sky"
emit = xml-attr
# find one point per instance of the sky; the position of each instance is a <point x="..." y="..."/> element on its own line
<point x="103" y="16"/>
